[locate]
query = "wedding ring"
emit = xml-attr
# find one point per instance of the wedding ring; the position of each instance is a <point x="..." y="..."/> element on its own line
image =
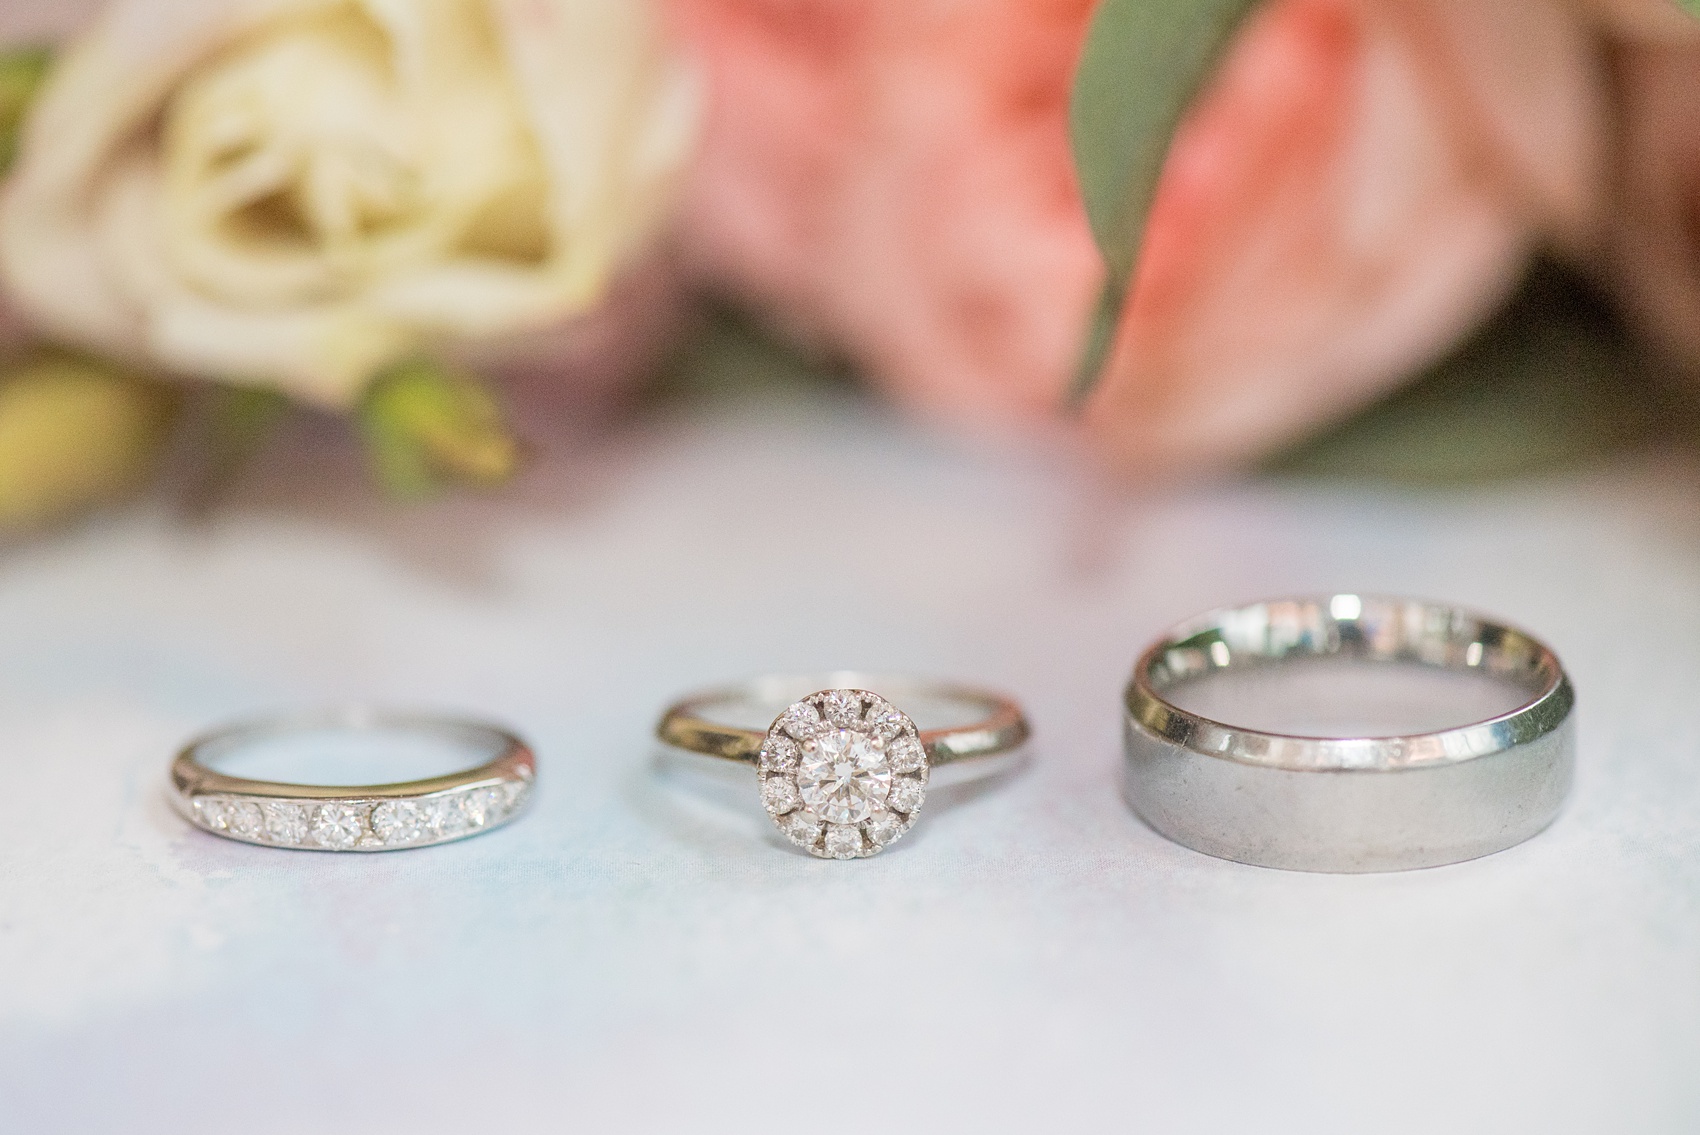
<point x="374" y="817"/>
<point x="1349" y="803"/>
<point x="843" y="770"/>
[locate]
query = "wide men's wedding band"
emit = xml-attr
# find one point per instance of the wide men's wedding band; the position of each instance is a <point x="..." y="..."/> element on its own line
<point x="1349" y="804"/>
<point x="843" y="767"/>
<point x="376" y="817"/>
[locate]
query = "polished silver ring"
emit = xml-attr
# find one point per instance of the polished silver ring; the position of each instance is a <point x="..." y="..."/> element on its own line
<point x="843" y="770"/>
<point x="1349" y="804"/>
<point x="374" y="817"/>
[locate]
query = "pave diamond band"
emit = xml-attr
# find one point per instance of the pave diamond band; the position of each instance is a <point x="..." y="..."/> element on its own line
<point x="377" y="817"/>
<point x="843" y="770"/>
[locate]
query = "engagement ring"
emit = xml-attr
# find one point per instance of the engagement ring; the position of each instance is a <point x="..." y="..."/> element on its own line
<point x="843" y="770"/>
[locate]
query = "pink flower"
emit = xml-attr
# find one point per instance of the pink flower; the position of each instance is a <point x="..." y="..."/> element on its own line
<point x="893" y="176"/>
<point x="1361" y="184"/>
<point x="1652" y="251"/>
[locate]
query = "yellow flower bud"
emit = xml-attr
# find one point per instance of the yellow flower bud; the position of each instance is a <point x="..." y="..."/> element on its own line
<point x="21" y="72"/>
<point x="74" y="434"/>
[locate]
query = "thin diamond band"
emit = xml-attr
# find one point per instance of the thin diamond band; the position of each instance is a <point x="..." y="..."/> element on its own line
<point x="378" y="817"/>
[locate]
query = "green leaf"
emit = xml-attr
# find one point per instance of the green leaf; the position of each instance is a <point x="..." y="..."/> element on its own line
<point x="1692" y="7"/>
<point x="427" y="427"/>
<point x="228" y="425"/>
<point x="21" y="72"/>
<point x="75" y="433"/>
<point x="1553" y="381"/>
<point x="732" y="359"/>
<point x="1143" y="64"/>
<point x="240" y="419"/>
<point x="1100" y="340"/>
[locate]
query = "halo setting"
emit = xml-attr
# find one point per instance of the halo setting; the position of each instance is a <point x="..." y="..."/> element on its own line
<point x="843" y="773"/>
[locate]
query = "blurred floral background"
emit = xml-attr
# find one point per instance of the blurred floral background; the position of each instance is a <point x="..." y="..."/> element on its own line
<point x="1412" y="239"/>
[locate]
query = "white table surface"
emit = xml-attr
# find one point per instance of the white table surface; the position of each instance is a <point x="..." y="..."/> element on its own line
<point x="641" y="953"/>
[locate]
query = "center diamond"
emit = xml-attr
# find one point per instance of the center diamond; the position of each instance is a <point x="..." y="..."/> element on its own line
<point x="843" y="775"/>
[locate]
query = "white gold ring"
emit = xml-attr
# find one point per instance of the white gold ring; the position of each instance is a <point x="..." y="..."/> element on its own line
<point x="843" y="770"/>
<point x="372" y="817"/>
<point x="1349" y="802"/>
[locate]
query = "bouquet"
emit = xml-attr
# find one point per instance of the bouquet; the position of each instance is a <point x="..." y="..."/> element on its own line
<point x="1193" y="232"/>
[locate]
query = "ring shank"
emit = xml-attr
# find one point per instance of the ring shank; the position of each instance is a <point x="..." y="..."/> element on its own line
<point x="993" y="723"/>
<point x="1346" y="804"/>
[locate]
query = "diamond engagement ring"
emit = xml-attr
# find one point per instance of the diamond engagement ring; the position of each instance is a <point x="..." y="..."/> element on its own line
<point x="843" y="770"/>
<point x="370" y="817"/>
<point x="1479" y="756"/>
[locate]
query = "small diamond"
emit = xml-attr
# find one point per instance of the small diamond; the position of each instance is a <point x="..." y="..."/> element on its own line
<point x="886" y="719"/>
<point x="398" y="821"/>
<point x="779" y="795"/>
<point x="512" y="792"/>
<point x="883" y="827"/>
<point x="482" y="806"/>
<point x="442" y="814"/>
<point x="802" y="827"/>
<point x="336" y="825"/>
<point x="212" y="812"/>
<point x="801" y="720"/>
<point x="906" y="794"/>
<point x="842" y="708"/>
<point x="243" y="818"/>
<point x="778" y="753"/>
<point x="285" y="823"/>
<point x="843" y="841"/>
<point x="906" y="755"/>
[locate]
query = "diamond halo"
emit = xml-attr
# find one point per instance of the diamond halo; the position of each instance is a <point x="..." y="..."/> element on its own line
<point x="843" y="773"/>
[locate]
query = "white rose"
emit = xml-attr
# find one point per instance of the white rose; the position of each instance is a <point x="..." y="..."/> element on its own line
<point x="300" y="192"/>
